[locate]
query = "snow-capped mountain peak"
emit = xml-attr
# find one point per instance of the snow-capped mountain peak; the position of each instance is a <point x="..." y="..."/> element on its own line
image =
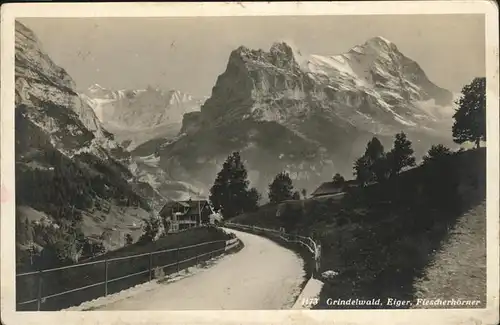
<point x="302" y="112"/>
<point x="96" y="87"/>
<point x="135" y="116"/>
<point x="381" y="43"/>
<point x="178" y="98"/>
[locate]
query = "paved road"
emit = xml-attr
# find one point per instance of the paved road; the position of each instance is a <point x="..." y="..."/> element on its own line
<point x="263" y="275"/>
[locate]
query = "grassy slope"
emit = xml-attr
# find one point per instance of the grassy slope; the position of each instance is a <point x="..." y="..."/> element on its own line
<point x="383" y="238"/>
<point x="460" y="265"/>
<point x="110" y="227"/>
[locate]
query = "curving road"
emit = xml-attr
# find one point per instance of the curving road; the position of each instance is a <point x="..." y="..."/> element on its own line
<point x="263" y="275"/>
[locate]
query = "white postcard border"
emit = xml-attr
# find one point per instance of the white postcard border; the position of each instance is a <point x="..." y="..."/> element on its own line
<point x="10" y="12"/>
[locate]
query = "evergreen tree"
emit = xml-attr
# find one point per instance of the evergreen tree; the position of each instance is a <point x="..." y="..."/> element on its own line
<point x="435" y="153"/>
<point x="151" y="229"/>
<point x="338" y="180"/>
<point x="380" y="169"/>
<point x="230" y="193"/>
<point x="401" y="155"/>
<point x="362" y="170"/>
<point x="281" y="188"/>
<point x="252" y="200"/>
<point x="374" y="150"/>
<point x="470" y="117"/>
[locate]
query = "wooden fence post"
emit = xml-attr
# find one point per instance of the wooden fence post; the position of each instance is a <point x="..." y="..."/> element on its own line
<point x="39" y="294"/>
<point x="177" y="256"/>
<point x="150" y="266"/>
<point x="105" y="277"/>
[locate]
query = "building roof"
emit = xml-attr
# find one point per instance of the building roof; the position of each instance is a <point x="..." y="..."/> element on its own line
<point x="331" y="188"/>
<point x="192" y="206"/>
<point x="171" y="204"/>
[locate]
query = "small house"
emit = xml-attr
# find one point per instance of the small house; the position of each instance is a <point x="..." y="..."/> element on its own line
<point x="186" y="214"/>
<point x="332" y="188"/>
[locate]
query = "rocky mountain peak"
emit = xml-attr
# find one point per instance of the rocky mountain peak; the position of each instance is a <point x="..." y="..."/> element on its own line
<point x="372" y="82"/>
<point x="283" y="55"/>
<point x="381" y="43"/>
<point x="41" y="84"/>
<point x="282" y="49"/>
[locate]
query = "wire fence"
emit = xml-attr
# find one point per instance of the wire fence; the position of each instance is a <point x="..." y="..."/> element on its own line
<point x="62" y="287"/>
<point x="312" y="246"/>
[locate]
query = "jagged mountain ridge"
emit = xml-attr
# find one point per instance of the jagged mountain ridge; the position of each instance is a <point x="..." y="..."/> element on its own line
<point x="136" y="116"/>
<point x="309" y="115"/>
<point x="374" y="78"/>
<point x="67" y="163"/>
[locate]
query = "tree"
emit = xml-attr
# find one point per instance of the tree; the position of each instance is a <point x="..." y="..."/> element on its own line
<point x="373" y="165"/>
<point x="151" y="229"/>
<point x="470" y="116"/>
<point x="166" y="224"/>
<point x="230" y="193"/>
<point x="281" y="188"/>
<point x="99" y="248"/>
<point x="253" y="198"/>
<point x="296" y="195"/>
<point x="362" y="170"/>
<point x="54" y="254"/>
<point x="369" y="168"/>
<point x="374" y="150"/>
<point x="338" y="180"/>
<point x="401" y="154"/>
<point x="91" y="249"/>
<point x="435" y="153"/>
<point x="128" y="239"/>
<point x="380" y="168"/>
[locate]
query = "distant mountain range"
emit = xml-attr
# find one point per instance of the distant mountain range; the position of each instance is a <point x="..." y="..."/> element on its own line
<point x="136" y="116"/>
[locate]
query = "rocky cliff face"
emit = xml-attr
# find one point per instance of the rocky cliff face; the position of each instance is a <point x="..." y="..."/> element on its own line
<point x="66" y="161"/>
<point x="136" y="116"/>
<point x="309" y="115"/>
<point x="371" y="83"/>
<point x="40" y="81"/>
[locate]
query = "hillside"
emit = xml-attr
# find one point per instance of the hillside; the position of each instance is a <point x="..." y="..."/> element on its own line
<point x="460" y="264"/>
<point x="390" y="239"/>
<point x="310" y="116"/>
<point x="71" y="176"/>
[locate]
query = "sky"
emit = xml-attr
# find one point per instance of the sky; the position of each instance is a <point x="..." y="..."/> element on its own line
<point x="188" y="54"/>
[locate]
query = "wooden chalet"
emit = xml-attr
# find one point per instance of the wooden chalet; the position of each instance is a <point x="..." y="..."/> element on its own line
<point x="186" y="214"/>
